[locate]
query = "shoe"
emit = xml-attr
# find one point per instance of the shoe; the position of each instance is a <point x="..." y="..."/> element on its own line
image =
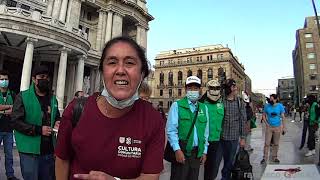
<point x="263" y="161"/>
<point x="310" y="153"/>
<point x="13" y="178"/>
<point x="276" y="160"/>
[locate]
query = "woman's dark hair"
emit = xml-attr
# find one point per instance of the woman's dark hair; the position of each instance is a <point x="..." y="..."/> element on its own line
<point x="274" y="97"/>
<point x="141" y="53"/>
<point x="227" y="86"/>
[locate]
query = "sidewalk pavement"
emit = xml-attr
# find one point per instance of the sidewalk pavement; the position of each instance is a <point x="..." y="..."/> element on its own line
<point x="289" y="152"/>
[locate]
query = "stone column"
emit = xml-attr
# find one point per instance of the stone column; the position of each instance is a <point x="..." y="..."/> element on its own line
<point x="80" y="72"/>
<point x="92" y="80"/>
<point x="62" y="76"/>
<point x="71" y="76"/>
<point x="97" y="81"/>
<point x="138" y="37"/>
<point x="104" y="25"/>
<point x="27" y="64"/>
<point x="143" y="38"/>
<point x="75" y="11"/>
<point x="100" y="29"/>
<point x="56" y="9"/>
<point x="109" y="26"/>
<point x="63" y="10"/>
<point x="55" y="77"/>
<point x="49" y="7"/>
<point x="69" y="11"/>
<point x="117" y="25"/>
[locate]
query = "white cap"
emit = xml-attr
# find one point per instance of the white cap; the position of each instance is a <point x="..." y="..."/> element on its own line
<point x="193" y="79"/>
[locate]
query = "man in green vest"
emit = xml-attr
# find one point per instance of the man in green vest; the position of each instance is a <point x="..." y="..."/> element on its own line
<point x="34" y="116"/>
<point x="6" y="135"/>
<point x="313" y="125"/>
<point x="212" y="99"/>
<point x="188" y="132"/>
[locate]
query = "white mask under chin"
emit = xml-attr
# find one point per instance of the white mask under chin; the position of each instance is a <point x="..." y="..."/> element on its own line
<point x="122" y="103"/>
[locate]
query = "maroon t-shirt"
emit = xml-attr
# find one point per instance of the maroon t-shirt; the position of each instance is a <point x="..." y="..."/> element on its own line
<point x="121" y="147"/>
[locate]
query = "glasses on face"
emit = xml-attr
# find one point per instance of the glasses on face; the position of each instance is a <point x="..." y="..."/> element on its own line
<point x="215" y="88"/>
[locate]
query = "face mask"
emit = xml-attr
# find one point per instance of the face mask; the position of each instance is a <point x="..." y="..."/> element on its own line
<point x="123" y="103"/>
<point x="193" y="95"/>
<point x="4" y="83"/>
<point x="43" y="85"/>
<point x="271" y="102"/>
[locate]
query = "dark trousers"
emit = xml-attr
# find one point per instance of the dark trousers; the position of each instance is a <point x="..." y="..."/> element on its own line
<point x="311" y="137"/>
<point x="211" y="167"/>
<point x="37" y="167"/>
<point x="304" y="133"/>
<point x="7" y="139"/>
<point x="227" y="150"/>
<point x="187" y="171"/>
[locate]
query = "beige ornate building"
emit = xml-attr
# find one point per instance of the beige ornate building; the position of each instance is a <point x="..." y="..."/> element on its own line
<point x="207" y="62"/>
<point x="67" y="36"/>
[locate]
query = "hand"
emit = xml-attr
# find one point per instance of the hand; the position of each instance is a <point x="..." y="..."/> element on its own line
<point x="242" y="142"/>
<point x="56" y="125"/>
<point x="46" y="130"/>
<point x="94" y="175"/>
<point x="180" y="156"/>
<point x="8" y="111"/>
<point x="203" y="159"/>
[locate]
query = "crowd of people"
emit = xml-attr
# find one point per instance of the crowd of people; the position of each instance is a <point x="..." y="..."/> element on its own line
<point x="118" y="134"/>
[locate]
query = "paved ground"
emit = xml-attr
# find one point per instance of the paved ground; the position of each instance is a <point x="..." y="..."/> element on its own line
<point x="288" y="152"/>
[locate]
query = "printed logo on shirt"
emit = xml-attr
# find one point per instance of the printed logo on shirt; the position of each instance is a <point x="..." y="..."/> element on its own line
<point x="127" y="149"/>
<point x="219" y="106"/>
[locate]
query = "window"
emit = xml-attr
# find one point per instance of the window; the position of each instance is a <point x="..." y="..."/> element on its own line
<point x="309" y="45"/>
<point x="161" y="78"/>
<point x="210" y="57"/>
<point x="189" y="73"/>
<point x="313" y="88"/>
<point x="170" y="92"/>
<point x="180" y="75"/>
<point x="312" y="66"/>
<point x="170" y="79"/>
<point x="25" y="7"/>
<point x="179" y="92"/>
<point x="161" y="92"/>
<point x="11" y="3"/>
<point x="161" y="103"/>
<point x="311" y="55"/>
<point x="308" y="35"/>
<point x="210" y="74"/>
<point x="80" y="27"/>
<point x="313" y="77"/>
<point x="89" y="16"/>
<point x="199" y="74"/>
<point x="87" y="31"/>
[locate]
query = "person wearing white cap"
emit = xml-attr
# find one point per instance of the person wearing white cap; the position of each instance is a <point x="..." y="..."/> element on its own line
<point x="188" y="132"/>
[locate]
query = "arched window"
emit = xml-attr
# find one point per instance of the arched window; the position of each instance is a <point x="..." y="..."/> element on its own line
<point x="210" y="74"/>
<point x="199" y="74"/>
<point x="161" y="78"/>
<point x="180" y="75"/>
<point x="189" y="73"/>
<point x="170" y="79"/>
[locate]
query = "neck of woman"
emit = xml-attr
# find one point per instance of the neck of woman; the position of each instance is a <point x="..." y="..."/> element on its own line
<point x="109" y="111"/>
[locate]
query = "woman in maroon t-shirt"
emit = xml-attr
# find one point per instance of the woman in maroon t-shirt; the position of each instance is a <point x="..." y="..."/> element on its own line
<point x="118" y="135"/>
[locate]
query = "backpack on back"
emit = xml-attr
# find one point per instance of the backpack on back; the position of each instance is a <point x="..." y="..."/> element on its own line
<point x="242" y="169"/>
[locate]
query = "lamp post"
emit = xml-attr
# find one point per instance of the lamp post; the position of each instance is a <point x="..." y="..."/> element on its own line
<point x="316" y="14"/>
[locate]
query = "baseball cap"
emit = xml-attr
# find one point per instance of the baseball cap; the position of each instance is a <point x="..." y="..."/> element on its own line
<point x="193" y="80"/>
<point x="40" y="70"/>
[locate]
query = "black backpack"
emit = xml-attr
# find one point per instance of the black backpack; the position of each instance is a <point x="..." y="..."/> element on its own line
<point x="242" y="169"/>
<point x="77" y="110"/>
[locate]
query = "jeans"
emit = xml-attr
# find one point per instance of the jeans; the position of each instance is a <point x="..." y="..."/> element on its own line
<point x="7" y="138"/>
<point x="37" y="167"/>
<point x="311" y="137"/>
<point x="227" y="150"/>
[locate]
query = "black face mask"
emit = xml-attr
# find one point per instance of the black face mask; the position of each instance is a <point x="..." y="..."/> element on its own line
<point x="43" y="85"/>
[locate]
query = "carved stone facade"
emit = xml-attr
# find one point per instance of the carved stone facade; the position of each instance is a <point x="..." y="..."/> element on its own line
<point x="207" y="62"/>
<point x="68" y="36"/>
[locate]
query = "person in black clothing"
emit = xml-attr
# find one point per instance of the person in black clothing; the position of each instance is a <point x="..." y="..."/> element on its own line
<point x="34" y="115"/>
<point x="6" y="134"/>
<point x="305" y="123"/>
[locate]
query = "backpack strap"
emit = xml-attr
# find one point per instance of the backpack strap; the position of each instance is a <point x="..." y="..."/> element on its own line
<point x="78" y="109"/>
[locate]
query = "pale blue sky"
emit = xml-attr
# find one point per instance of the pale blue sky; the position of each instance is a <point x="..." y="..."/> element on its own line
<point x="264" y="31"/>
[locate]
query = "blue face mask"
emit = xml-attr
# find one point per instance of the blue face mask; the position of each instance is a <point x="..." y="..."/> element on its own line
<point x="123" y="103"/>
<point x="4" y="83"/>
<point x="193" y="95"/>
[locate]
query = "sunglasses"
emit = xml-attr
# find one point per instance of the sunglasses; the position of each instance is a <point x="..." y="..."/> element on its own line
<point x="215" y="88"/>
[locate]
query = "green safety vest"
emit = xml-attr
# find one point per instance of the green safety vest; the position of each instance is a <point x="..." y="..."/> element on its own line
<point x="8" y="101"/>
<point x="33" y="115"/>
<point x="185" y="122"/>
<point x="312" y="112"/>
<point x="216" y="114"/>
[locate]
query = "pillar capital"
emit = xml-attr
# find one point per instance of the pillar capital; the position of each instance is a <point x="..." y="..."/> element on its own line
<point x="64" y="49"/>
<point x="82" y="57"/>
<point x="31" y="40"/>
